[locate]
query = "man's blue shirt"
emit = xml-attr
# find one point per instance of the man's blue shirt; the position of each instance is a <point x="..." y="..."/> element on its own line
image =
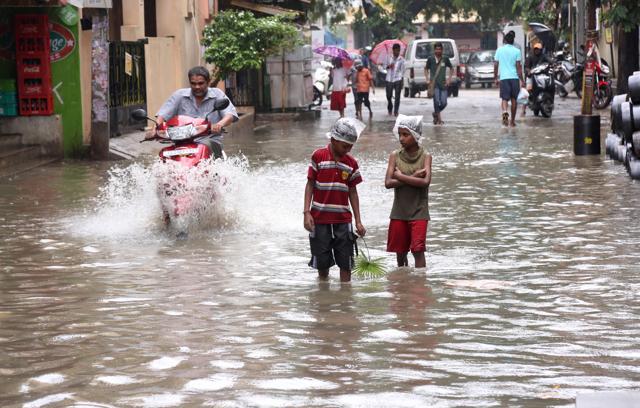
<point x="507" y="56"/>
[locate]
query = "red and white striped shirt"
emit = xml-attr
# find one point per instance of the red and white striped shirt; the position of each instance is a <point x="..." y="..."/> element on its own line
<point x="332" y="181"/>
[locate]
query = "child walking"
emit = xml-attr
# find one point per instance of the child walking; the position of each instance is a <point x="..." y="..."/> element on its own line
<point x="409" y="174"/>
<point x="339" y="76"/>
<point x="331" y="186"/>
<point x="364" y="82"/>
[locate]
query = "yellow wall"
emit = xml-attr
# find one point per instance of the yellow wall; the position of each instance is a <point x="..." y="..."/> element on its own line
<point x="132" y="20"/>
<point x="176" y="48"/>
<point x="85" y="83"/>
<point x="160" y="69"/>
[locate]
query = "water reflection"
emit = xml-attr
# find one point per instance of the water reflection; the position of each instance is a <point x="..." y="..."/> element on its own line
<point x="528" y="298"/>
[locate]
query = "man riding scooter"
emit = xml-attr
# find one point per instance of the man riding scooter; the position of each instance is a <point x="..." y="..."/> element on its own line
<point x="198" y="102"/>
<point x="535" y="58"/>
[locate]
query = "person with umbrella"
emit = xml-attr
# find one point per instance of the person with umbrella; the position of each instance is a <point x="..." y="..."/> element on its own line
<point x="339" y="75"/>
<point x="395" y="71"/>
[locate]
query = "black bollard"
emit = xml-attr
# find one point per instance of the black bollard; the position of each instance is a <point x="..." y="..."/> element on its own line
<point x="586" y="134"/>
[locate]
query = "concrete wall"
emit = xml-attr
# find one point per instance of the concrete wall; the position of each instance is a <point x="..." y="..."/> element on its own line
<point x="161" y="71"/>
<point x="84" y="44"/>
<point x="132" y="20"/>
<point x="45" y="131"/>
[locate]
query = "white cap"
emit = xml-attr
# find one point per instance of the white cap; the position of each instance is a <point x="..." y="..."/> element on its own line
<point x="346" y="130"/>
<point x="412" y="123"/>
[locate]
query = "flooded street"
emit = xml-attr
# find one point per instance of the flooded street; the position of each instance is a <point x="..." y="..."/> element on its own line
<point x="530" y="295"/>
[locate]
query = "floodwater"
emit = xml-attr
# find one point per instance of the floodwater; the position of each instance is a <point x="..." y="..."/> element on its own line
<point x="530" y="295"/>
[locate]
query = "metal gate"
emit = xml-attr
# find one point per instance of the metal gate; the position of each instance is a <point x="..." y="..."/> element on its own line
<point x="127" y="84"/>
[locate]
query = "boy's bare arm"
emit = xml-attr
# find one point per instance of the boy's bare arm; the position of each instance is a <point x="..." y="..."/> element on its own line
<point x="355" y="206"/>
<point x="389" y="180"/>
<point x="421" y="178"/>
<point x="308" y="195"/>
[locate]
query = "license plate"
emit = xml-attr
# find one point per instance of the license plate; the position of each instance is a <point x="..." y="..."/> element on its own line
<point x="180" y="152"/>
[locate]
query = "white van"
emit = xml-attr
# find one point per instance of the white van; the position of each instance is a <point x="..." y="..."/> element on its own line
<point x="416" y="58"/>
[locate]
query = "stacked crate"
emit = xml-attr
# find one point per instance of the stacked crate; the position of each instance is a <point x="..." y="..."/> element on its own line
<point x="8" y="98"/>
<point x="35" y="96"/>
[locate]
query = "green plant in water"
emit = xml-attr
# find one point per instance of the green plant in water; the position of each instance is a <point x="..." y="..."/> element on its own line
<point x="368" y="268"/>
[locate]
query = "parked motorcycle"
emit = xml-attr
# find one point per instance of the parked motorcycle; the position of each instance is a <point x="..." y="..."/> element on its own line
<point x="566" y="74"/>
<point x="542" y="95"/>
<point x="321" y="82"/>
<point x="602" y="91"/>
<point x="184" y="154"/>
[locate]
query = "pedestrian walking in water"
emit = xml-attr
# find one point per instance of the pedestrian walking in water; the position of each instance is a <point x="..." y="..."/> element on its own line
<point x="508" y="65"/>
<point x="331" y="186"/>
<point x="395" y="71"/>
<point x="409" y="175"/>
<point x="363" y="81"/>
<point x="339" y="76"/>
<point x="438" y="81"/>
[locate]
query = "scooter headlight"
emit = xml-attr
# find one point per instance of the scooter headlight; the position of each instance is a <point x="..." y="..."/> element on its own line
<point x="178" y="133"/>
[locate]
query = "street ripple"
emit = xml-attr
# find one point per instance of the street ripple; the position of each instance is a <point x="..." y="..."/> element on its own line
<point x="529" y="296"/>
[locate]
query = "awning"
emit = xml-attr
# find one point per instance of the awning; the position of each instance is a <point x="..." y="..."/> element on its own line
<point x="91" y="3"/>
<point x="57" y="3"/>
<point x="263" y="8"/>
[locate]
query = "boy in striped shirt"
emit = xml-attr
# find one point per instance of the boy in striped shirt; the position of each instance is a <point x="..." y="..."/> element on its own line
<point x="331" y="186"/>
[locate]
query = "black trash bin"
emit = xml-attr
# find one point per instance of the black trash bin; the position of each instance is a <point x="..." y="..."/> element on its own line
<point x="586" y="134"/>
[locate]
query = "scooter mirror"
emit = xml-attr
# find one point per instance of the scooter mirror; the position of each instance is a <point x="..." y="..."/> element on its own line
<point x="139" y="114"/>
<point x="221" y="104"/>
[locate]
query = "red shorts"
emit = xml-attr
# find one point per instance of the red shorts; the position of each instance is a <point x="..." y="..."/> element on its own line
<point x="405" y="236"/>
<point x="338" y="100"/>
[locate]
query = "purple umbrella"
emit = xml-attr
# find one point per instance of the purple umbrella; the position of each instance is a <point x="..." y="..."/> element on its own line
<point x="333" y="52"/>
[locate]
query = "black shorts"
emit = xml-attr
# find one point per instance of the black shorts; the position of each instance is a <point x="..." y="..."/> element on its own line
<point x="509" y="89"/>
<point x="332" y="244"/>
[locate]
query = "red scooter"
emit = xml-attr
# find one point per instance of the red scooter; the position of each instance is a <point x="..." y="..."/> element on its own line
<point x="183" y="180"/>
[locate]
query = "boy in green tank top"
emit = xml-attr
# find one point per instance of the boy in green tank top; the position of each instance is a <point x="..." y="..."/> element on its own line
<point x="409" y="175"/>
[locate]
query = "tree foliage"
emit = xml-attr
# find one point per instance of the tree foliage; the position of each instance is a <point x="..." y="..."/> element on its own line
<point x="540" y="11"/>
<point x="392" y="18"/>
<point x="623" y="13"/>
<point x="236" y="40"/>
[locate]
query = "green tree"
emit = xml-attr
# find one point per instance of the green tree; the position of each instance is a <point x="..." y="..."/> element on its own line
<point x="625" y="15"/>
<point x="236" y="40"/>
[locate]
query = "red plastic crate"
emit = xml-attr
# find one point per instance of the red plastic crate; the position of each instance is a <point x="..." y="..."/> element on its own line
<point x="31" y="66"/>
<point x="31" y="25"/>
<point x="35" y="96"/>
<point x="41" y="105"/>
<point x="32" y="87"/>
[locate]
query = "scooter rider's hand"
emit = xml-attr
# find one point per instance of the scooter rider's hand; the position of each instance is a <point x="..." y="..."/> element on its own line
<point x="153" y="133"/>
<point x="216" y="128"/>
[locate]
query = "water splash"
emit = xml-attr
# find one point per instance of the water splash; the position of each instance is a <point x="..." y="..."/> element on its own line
<point x="213" y="197"/>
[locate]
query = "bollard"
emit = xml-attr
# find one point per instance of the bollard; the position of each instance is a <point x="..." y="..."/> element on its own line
<point x="586" y="134"/>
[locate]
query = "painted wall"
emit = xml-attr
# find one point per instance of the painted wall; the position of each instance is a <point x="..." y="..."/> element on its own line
<point x="65" y="70"/>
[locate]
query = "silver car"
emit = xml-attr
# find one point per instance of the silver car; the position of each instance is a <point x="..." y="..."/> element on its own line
<point x="479" y="69"/>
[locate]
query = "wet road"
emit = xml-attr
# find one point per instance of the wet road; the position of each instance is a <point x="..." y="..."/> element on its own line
<point x="530" y="295"/>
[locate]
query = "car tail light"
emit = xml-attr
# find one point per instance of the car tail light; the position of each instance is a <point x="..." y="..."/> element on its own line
<point x="411" y="75"/>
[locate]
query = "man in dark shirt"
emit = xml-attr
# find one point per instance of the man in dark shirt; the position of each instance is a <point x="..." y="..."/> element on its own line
<point x="534" y="59"/>
<point x="435" y="72"/>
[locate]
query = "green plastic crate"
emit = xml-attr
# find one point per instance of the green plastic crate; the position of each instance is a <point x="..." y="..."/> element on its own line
<point x="9" y="109"/>
<point x="7" y="85"/>
<point x="8" y="97"/>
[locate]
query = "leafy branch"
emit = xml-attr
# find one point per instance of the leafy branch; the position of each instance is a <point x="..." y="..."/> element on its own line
<point x="237" y="40"/>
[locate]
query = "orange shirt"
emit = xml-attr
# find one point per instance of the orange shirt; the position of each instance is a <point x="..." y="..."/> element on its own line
<point x="363" y="80"/>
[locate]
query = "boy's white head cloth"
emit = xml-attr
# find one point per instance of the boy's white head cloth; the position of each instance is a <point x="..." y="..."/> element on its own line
<point x="346" y="130"/>
<point x="412" y="123"/>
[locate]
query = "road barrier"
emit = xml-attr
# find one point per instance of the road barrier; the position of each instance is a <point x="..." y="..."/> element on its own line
<point x="623" y="143"/>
